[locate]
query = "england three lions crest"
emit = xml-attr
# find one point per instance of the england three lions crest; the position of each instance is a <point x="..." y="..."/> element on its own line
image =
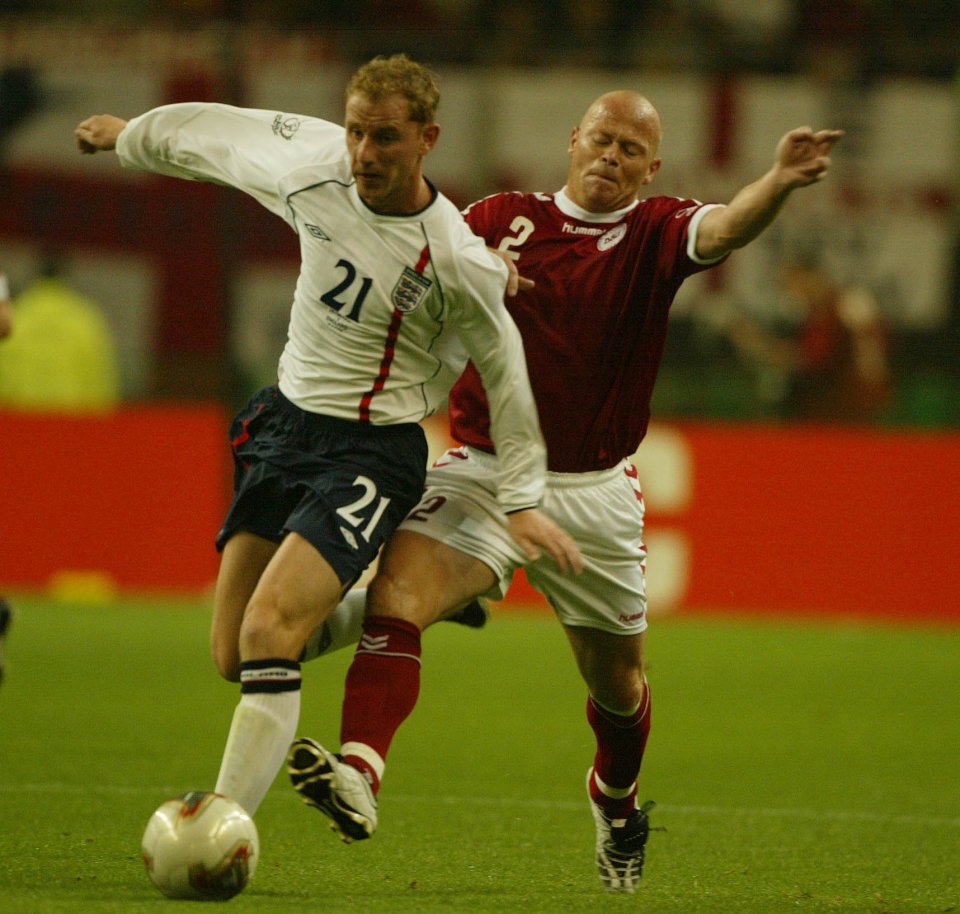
<point x="411" y="289"/>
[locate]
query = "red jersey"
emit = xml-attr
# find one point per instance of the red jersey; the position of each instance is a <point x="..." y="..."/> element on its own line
<point x="594" y="326"/>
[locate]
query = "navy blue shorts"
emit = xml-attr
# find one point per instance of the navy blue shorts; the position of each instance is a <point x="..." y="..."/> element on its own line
<point x="343" y="486"/>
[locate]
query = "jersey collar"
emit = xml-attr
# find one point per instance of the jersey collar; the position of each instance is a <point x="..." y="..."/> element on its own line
<point x="569" y="208"/>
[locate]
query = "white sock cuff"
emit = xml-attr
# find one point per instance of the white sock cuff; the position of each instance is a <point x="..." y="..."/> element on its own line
<point x="615" y="793"/>
<point x="643" y="703"/>
<point x="369" y="755"/>
<point x="277" y="704"/>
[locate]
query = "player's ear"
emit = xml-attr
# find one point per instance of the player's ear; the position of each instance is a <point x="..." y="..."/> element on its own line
<point x="574" y="136"/>
<point x="428" y="137"/>
<point x="652" y="170"/>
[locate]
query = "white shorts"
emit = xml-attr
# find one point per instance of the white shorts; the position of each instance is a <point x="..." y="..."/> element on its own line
<point x="602" y="511"/>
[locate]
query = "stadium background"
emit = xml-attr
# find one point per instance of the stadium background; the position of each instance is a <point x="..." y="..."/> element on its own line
<point x="746" y="511"/>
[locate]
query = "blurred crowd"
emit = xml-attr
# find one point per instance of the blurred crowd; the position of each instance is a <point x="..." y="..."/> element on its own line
<point x="867" y="38"/>
<point x="820" y="334"/>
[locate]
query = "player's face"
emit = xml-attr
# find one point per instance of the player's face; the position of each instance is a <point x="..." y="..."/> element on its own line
<point x="386" y="153"/>
<point x="613" y="153"/>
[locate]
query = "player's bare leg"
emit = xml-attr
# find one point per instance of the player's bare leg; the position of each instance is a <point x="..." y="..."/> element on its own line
<point x="244" y="558"/>
<point x="343" y="627"/>
<point x="418" y="581"/>
<point x="296" y="590"/>
<point x="618" y="710"/>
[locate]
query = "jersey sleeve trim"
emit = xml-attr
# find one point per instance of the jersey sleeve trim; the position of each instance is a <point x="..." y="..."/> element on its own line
<point x="693" y="228"/>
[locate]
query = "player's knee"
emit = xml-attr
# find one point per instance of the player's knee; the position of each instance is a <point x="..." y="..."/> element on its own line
<point x="257" y="633"/>
<point x="618" y="687"/>
<point x="273" y="629"/>
<point x="394" y="595"/>
<point x="226" y="658"/>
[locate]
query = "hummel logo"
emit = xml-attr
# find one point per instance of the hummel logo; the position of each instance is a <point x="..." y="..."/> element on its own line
<point x="371" y="643"/>
<point x="349" y="537"/>
<point x="317" y="232"/>
<point x="571" y="229"/>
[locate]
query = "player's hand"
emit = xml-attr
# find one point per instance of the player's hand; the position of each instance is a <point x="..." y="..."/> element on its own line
<point x="803" y="156"/>
<point x="515" y="282"/>
<point x="535" y="533"/>
<point x="98" y="133"/>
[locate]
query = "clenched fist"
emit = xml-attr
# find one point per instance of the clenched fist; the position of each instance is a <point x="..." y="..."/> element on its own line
<point x="98" y="133"/>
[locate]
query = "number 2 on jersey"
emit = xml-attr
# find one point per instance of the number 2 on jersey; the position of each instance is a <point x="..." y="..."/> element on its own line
<point x="330" y="297"/>
<point x="522" y="228"/>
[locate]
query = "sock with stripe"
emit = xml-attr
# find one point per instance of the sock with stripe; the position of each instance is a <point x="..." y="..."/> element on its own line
<point x="263" y="726"/>
<point x="621" y="740"/>
<point x="381" y="690"/>
<point x="342" y="628"/>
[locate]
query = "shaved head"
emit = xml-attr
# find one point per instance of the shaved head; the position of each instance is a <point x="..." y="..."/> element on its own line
<point x="613" y="151"/>
<point x="626" y="105"/>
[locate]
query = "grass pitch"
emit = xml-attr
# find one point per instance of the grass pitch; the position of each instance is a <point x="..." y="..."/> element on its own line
<point x="811" y="768"/>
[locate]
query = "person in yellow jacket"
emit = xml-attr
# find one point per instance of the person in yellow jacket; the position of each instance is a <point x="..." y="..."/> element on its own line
<point x="62" y="356"/>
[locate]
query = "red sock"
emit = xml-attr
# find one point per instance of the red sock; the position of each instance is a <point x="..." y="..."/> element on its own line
<point x="620" y="744"/>
<point x="382" y="687"/>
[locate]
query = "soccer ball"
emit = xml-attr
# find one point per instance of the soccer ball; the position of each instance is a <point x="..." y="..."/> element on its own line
<point x="201" y="845"/>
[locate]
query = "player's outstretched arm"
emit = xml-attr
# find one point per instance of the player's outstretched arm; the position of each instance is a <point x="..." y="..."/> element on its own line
<point x="802" y="158"/>
<point x="98" y="133"/>
<point x="535" y="533"/>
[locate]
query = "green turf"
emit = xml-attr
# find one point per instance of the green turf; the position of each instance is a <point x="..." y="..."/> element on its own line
<point x="798" y="768"/>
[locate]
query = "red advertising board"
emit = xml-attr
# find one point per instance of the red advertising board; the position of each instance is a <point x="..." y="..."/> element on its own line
<point x="800" y="520"/>
<point x="134" y="498"/>
<point x="746" y="518"/>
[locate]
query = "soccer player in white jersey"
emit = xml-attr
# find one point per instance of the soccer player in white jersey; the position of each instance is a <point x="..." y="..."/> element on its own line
<point x="605" y="266"/>
<point x="394" y="294"/>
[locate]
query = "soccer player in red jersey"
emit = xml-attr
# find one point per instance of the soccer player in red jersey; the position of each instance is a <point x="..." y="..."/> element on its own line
<point x="601" y="267"/>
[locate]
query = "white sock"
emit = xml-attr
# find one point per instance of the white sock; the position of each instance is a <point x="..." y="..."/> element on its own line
<point x="341" y="628"/>
<point x="264" y="724"/>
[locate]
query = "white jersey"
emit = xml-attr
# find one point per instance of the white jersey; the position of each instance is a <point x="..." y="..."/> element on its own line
<point x="387" y="309"/>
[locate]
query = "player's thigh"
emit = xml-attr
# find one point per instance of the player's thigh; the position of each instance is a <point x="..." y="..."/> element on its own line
<point x="420" y="578"/>
<point x="611" y="665"/>
<point x="603" y="513"/>
<point x="295" y="593"/>
<point x="460" y="509"/>
<point x="243" y="560"/>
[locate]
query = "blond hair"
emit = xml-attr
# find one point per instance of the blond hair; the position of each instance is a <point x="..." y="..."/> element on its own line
<point x="385" y="76"/>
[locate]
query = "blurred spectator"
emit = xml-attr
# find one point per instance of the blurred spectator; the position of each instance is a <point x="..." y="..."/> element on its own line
<point x="516" y="33"/>
<point x="835" y="367"/>
<point x="6" y="312"/>
<point x="749" y="34"/>
<point x="593" y="34"/>
<point x="20" y="97"/>
<point x="62" y="356"/>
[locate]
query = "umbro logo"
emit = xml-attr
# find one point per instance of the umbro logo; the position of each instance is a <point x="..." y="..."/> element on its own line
<point x="317" y="232"/>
